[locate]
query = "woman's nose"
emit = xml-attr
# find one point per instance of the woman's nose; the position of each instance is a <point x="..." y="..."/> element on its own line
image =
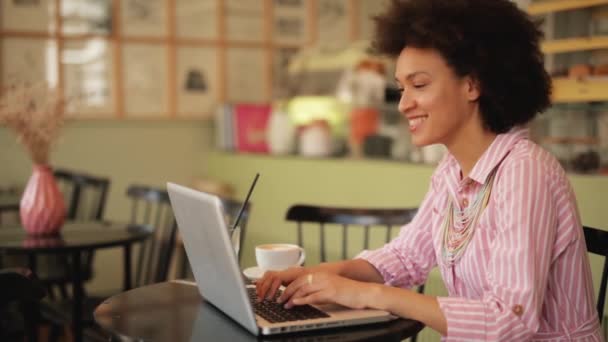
<point x="406" y="103"/>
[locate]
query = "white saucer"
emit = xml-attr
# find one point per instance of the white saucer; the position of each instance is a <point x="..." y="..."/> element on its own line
<point x="253" y="273"/>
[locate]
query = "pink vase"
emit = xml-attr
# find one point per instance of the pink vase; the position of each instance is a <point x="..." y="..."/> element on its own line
<point x="42" y="209"/>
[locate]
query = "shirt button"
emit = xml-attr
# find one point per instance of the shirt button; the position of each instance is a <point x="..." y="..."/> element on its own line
<point x="518" y="310"/>
<point x="465" y="203"/>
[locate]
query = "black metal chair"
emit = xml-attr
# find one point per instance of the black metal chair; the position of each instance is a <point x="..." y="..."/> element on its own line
<point x="231" y="210"/>
<point x="20" y="295"/>
<point x="85" y="194"/>
<point x="373" y="222"/>
<point x="376" y="224"/>
<point x="151" y="207"/>
<point x="151" y="210"/>
<point x="85" y="198"/>
<point x="9" y="207"/>
<point x="597" y="243"/>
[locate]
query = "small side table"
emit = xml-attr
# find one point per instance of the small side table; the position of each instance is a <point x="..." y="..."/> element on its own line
<point x="75" y="238"/>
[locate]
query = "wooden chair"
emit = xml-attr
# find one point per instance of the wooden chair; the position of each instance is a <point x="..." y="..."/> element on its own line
<point x="9" y="207"/>
<point x="231" y="210"/>
<point x="378" y="220"/>
<point x="597" y="243"/>
<point x="85" y="198"/>
<point x="85" y="195"/>
<point x="373" y="222"/>
<point x="19" y="286"/>
<point x="151" y="207"/>
<point x="151" y="210"/>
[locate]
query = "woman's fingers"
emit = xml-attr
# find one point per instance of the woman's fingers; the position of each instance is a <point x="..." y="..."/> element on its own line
<point x="268" y="285"/>
<point x="294" y="287"/>
<point x="274" y="286"/>
<point x="304" y="291"/>
<point x="263" y="285"/>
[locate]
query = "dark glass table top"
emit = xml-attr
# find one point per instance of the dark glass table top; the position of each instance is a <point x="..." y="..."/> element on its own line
<point x="86" y="235"/>
<point x="175" y="311"/>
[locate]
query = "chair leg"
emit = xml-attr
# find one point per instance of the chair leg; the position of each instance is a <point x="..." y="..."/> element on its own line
<point x="43" y="332"/>
<point x="56" y="332"/>
<point x="63" y="290"/>
<point x="50" y="292"/>
<point x="31" y="314"/>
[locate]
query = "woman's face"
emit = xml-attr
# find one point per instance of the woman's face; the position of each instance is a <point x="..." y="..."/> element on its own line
<point x="440" y="106"/>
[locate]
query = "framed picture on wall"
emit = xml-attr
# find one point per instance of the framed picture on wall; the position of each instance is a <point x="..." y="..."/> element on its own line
<point x="143" y="18"/>
<point x="244" y="20"/>
<point x="27" y="60"/>
<point x="290" y="22"/>
<point x="333" y="28"/>
<point x="86" y="16"/>
<point x="28" y="15"/>
<point x="88" y="70"/>
<point x="196" y="81"/>
<point x="246" y="75"/>
<point x="197" y="19"/>
<point x="145" y="80"/>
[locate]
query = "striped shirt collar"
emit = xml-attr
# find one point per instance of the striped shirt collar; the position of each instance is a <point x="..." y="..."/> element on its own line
<point x="494" y="154"/>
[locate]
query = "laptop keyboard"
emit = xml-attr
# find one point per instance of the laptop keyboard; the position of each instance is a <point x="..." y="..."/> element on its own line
<point x="274" y="312"/>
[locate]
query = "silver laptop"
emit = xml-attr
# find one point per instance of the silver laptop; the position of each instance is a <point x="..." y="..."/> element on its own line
<point x="201" y="223"/>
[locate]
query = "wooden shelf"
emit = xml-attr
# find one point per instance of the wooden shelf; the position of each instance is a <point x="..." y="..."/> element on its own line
<point x="585" y="90"/>
<point x="575" y="44"/>
<point x="562" y="5"/>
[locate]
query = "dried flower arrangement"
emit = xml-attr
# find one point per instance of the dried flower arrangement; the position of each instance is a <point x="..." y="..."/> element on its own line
<point x="35" y="113"/>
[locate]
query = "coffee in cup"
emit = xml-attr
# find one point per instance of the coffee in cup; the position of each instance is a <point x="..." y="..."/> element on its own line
<point x="279" y="256"/>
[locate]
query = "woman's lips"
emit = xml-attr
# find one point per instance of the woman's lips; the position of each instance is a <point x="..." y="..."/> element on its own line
<point x="416" y="122"/>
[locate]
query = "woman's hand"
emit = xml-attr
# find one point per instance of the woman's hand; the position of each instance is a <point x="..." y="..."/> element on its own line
<point x="323" y="288"/>
<point x="267" y="286"/>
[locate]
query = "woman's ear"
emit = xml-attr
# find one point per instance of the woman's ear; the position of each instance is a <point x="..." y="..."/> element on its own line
<point x="472" y="88"/>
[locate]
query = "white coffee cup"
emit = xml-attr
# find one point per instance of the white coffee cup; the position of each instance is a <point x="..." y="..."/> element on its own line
<point x="279" y="256"/>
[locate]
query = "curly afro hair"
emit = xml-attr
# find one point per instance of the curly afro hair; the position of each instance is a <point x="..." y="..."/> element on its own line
<point x="492" y="41"/>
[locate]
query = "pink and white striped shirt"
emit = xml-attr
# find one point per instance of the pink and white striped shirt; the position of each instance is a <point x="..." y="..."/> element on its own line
<point x="525" y="274"/>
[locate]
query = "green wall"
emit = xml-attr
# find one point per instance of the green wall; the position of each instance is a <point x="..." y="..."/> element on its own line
<point x="129" y="151"/>
<point x="348" y="182"/>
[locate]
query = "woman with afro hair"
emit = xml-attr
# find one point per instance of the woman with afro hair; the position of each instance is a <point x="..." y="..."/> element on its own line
<point x="500" y="219"/>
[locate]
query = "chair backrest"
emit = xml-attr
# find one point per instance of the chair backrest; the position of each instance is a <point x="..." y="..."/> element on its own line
<point x="85" y="199"/>
<point x="597" y="243"/>
<point x="85" y="194"/>
<point x="9" y="210"/>
<point x="380" y="220"/>
<point x="150" y="208"/>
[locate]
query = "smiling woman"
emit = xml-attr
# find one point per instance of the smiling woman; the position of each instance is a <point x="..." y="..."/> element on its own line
<point x="499" y="219"/>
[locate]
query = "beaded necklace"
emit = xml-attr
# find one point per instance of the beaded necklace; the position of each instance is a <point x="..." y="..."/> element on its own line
<point x="455" y="241"/>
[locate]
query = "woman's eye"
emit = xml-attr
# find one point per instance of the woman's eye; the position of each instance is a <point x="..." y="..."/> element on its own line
<point x="421" y="85"/>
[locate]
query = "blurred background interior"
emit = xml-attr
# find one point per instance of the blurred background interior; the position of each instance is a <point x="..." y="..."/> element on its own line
<point x="208" y="92"/>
